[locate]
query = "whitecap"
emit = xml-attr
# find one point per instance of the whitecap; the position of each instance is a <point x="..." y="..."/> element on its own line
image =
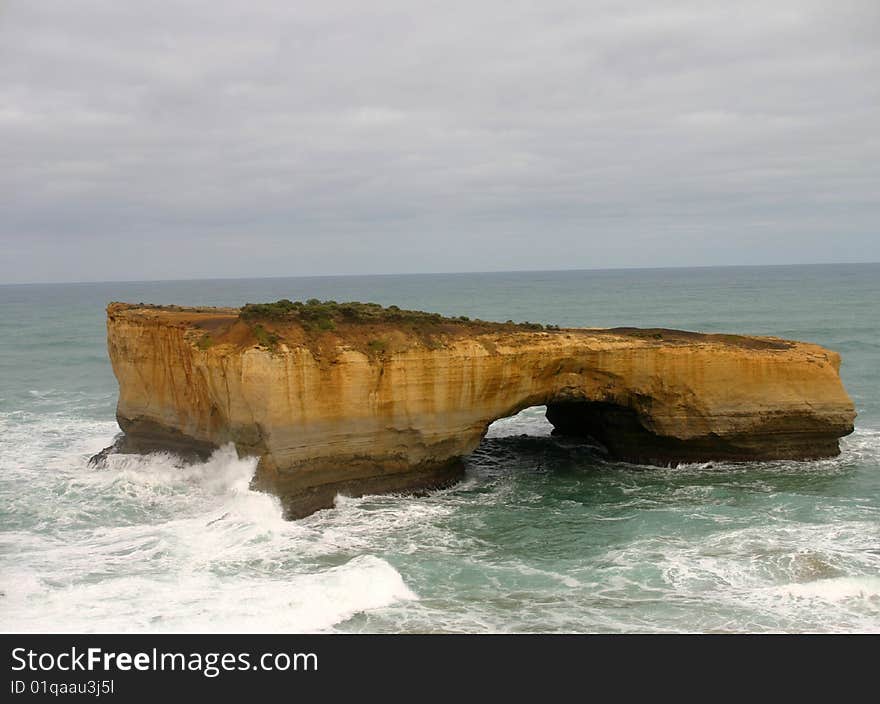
<point x="835" y="589"/>
<point x="203" y="602"/>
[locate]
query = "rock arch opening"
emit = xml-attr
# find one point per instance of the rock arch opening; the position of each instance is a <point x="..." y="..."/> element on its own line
<point x="616" y="429"/>
<point x="627" y="433"/>
<point x="531" y="421"/>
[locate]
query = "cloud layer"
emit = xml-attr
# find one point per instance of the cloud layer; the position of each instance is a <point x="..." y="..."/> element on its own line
<point x="220" y="138"/>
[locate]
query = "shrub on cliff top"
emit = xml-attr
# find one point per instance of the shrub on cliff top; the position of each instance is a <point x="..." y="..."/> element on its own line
<point x="377" y="346"/>
<point x="265" y="337"/>
<point x="325" y="315"/>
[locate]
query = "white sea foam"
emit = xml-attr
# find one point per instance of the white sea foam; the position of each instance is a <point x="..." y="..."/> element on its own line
<point x="769" y="575"/>
<point x="862" y="445"/>
<point x="150" y="543"/>
<point x="199" y="601"/>
<point x="836" y="589"/>
<point x="194" y="601"/>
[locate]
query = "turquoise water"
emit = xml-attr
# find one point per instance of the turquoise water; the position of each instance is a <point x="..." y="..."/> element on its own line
<point x="541" y="535"/>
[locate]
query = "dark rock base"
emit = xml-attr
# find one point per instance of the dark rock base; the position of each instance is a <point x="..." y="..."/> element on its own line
<point x="305" y="501"/>
<point x="625" y="438"/>
<point x="140" y="437"/>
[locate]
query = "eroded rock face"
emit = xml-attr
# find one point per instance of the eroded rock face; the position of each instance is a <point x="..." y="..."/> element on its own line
<point x="377" y="408"/>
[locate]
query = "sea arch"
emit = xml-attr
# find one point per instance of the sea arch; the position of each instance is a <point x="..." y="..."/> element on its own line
<point x="335" y="413"/>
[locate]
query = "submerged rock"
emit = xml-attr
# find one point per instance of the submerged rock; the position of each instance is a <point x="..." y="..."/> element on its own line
<point x="356" y="398"/>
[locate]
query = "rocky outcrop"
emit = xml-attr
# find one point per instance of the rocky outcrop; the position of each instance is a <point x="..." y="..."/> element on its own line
<point x="347" y="404"/>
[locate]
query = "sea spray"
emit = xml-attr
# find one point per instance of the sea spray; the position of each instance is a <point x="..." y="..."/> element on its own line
<point x="190" y="548"/>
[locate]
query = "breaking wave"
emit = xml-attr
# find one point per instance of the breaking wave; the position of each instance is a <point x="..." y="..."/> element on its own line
<point x="150" y="544"/>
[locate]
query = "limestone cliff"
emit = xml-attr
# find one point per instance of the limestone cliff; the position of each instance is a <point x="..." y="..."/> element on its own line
<point x="346" y="402"/>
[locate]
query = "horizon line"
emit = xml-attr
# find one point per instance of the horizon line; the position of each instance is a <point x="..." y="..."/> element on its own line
<point x="435" y="273"/>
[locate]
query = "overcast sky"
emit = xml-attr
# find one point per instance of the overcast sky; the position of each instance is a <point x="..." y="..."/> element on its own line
<point x="210" y="138"/>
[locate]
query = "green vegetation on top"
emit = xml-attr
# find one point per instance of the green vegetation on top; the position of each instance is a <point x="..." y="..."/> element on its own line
<point x="325" y="315"/>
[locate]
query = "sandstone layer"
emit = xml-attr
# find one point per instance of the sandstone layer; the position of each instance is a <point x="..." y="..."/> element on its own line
<point x="358" y="407"/>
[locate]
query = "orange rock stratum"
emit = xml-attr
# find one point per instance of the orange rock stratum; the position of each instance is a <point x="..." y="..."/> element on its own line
<point x="387" y="403"/>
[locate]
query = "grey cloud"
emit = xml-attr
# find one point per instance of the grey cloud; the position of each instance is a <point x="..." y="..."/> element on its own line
<point x="175" y="139"/>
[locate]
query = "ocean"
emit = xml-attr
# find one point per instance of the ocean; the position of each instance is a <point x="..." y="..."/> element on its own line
<point x="542" y="534"/>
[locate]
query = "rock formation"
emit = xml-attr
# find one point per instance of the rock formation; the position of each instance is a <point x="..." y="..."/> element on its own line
<point x="355" y="398"/>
